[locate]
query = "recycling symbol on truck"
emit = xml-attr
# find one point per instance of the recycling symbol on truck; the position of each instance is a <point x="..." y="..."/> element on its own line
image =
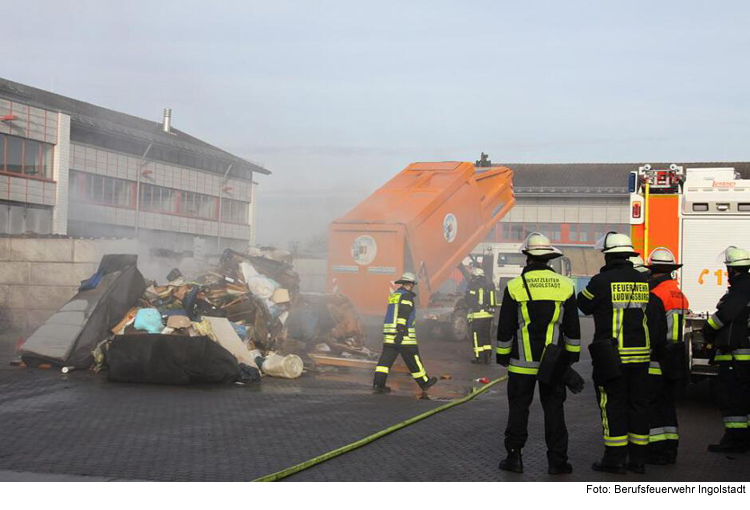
<point x="450" y="227"/>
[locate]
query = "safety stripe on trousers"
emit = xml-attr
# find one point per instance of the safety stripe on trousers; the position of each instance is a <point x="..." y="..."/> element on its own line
<point x="639" y="439"/>
<point x="422" y="374"/>
<point x="735" y="422"/>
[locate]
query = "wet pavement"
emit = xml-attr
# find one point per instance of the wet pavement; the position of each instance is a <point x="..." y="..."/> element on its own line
<point x="80" y="427"/>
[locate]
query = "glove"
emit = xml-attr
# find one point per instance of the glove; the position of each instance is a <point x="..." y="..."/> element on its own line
<point x="573" y="380"/>
<point x="502" y="359"/>
<point x="708" y="333"/>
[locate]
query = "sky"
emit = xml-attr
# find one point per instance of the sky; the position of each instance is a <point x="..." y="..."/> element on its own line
<point x="334" y="98"/>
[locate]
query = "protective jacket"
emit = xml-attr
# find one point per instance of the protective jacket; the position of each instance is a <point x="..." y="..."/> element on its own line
<point x="539" y="308"/>
<point x="671" y="304"/>
<point x="617" y="297"/>
<point x="480" y="299"/>
<point x="728" y="327"/>
<point x="398" y="326"/>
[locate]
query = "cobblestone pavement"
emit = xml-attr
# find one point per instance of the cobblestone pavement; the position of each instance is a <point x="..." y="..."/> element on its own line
<point x="80" y="427"/>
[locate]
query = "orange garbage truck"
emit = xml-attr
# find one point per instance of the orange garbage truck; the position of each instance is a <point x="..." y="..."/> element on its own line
<point x="426" y="220"/>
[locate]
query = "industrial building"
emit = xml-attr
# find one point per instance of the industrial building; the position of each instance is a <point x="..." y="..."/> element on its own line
<point x="576" y="204"/>
<point x="72" y="168"/>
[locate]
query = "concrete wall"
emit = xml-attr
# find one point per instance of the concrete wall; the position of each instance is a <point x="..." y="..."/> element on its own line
<point x="37" y="276"/>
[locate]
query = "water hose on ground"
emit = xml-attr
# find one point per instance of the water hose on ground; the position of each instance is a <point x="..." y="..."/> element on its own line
<point x="284" y="473"/>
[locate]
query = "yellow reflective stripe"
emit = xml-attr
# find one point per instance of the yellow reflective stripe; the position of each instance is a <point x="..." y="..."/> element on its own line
<point x="656" y="438"/>
<point x="382" y="369"/>
<point x="481" y="296"/>
<point x="572" y="348"/>
<point x="615" y="441"/>
<point x="587" y="294"/>
<point x="522" y="370"/>
<point x="723" y="357"/>
<point x="603" y="407"/>
<point x="713" y="321"/>
<point x="742" y="357"/>
<point x="477" y="349"/>
<point x="654" y="371"/>
<point x="422" y="372"/>
<point x="735" y="425"/>
<point x="615" y="331"/>
<point x="525" y="332"/>
<point x="638" y="439"/>
<point x="502" y="350"/>
<point x="405" y="302"/>
<point x="634" y="359"/>
<point x="401" y="321"/>
<point x="551" y="325"/>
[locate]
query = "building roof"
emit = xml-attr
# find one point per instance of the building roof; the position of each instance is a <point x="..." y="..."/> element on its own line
<point x="604" y="179"/>
<point x="87" y="115"/>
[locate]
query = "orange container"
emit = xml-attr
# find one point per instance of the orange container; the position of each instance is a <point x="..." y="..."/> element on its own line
<point x="424" y="220"/>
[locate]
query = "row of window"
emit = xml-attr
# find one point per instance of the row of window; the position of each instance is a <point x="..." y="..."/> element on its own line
<point x="565" y="233"/>
<point x="25" y="157"/>
<point x="156" y="153"/>
<point x="98" y="189"/>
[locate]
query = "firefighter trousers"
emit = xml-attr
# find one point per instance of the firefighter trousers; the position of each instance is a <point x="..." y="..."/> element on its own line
<point x="623" y="403"/>
<point x="733" y="396"/>
<point x="520" y="395"/>
<point x="663" y="435"/>
<point x="410" y="355"/>
<point x="480" y="337"/>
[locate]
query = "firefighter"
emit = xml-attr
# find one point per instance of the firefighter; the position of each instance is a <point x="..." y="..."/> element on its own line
<point x="480" y="299"/>
<point x="727" y="333"/>
<point x="618" y="297"/>
<point x="538" y="310"/>
<point x="399" y="337"/>
<point x="673" y="305"/>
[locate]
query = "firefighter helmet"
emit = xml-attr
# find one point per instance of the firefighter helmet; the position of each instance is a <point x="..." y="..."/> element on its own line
<point x="477" y="271"/>
<point x="614" y="242"/>
<point x="736" y="257"/>
<point x="638" y="264"/>
<point x="662" y="258"/>
<point x="406" y="278"/>
<point x="538" y="245"/>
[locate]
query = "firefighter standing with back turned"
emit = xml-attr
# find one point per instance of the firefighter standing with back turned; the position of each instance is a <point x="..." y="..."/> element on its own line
<point x="673" y="305"/>
<point x="399" y="337"/>
<point x="617" y="297"/>
<point x="727" y="332"/>
<point x="480" y="299"/>
<point x="538" y="313"/>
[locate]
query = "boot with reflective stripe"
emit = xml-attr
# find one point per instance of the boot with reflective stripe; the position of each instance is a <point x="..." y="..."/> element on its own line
<point x="513" y="462"/>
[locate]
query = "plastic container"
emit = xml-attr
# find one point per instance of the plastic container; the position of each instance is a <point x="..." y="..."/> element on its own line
<point x="288" y="367"/>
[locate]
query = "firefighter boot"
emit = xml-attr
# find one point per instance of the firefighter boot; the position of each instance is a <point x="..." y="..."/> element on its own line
<point x="376" y="388"/>
<point x="429" y="384"/>
<point x="513" y="462"/>
<point x="560" y="469"/>
<point x="733" y="441"/>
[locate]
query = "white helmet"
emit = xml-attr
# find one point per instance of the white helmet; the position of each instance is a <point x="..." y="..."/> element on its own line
<point x="477" y="271"/>
<point x="613" y="242"/>
<point x="638" y="264"/>
<point x="662" y="257"/>
<point x="538" y="245"/>
<point x="736" y="257"/>
<point x="406" y="278"/>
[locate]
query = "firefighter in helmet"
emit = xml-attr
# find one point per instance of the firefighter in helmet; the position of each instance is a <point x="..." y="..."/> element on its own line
<point x="399" y="337"/>
<point x="480" y="300"/>
<point x="618" y="297"/>
<point x="673" y="305"/>
<point x="538" y="313"/>
<point x="727" y="334"/>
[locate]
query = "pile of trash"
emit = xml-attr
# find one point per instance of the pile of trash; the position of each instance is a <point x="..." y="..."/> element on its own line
<point x="249" y="305"/>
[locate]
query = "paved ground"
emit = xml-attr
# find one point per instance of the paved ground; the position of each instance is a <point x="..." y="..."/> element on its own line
<point x="80" y="427"/>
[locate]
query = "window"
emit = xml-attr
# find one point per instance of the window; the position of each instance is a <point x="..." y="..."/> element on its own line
<point x="97" y="189"/>
<point x="25" y="157"/>
<point x="14" y="162"/>
<point x="234" y="211"/>
<point x="157" y="199"/>
<point x="198" y="205"/>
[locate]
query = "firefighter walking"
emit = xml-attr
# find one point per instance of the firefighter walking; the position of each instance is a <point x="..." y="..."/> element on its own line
<point x="538" y="312"/>
<point x="480" y="300"/>
<point x="673" y="305"/>
<point x="617" y="297"/>
<point x="399" y="337"/>
<point x="727" y="332"/>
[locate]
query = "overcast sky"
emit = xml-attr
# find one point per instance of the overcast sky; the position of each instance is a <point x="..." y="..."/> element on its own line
<point x="336" y="97"/>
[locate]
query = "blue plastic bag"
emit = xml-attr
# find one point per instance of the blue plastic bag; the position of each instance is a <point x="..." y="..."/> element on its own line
<point x="149" y="319"/>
